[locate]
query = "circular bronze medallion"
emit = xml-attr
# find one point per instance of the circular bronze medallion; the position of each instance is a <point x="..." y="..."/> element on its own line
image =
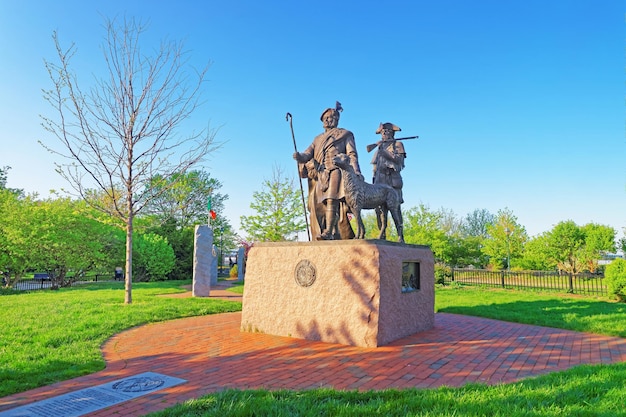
<point x="305" y="273"/>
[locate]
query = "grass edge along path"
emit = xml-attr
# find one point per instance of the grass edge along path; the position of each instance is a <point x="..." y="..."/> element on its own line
<point x="585" y="390"/>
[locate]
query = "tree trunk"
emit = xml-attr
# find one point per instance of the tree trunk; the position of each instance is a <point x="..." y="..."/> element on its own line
<point x="128" y="296"/>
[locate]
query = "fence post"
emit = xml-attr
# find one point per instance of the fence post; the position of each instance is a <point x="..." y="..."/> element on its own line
<point x="502" y="278"/>
<point x="571" y="283"/>
<point x="452" y="274"/>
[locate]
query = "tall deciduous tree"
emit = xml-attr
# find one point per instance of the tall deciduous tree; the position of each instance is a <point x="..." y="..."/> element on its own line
<point x="566" y="240"/>
<point x="279" y="211"/>
<point x="423" y="226"/>
<point x="56" y="236"/>
<point x="3" y="176"/>
<point x="180" y="207"/>
<point x="4" y="173"/>
<point x="473" y="232"/>
<point x="506" y="239"/>
<point x="599" y="240"/>
<point x="476" y="223"/>
<point x="123" y="131"/>
<point x="537" y="254"/>
<point x="70" y="240"/>
<point x="15" y="254"/>
<point x="569" y="247"/>
<point x="463" y="251"/>
<point x="183" y="197"/>
<point x="575" y="249"/>
<point x="443" y="231"/>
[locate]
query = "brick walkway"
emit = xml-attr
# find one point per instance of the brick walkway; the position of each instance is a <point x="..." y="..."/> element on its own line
<point x="212" y="354"/>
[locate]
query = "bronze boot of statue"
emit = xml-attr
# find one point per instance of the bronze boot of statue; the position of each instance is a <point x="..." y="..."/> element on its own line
<point x="332" y="217"/>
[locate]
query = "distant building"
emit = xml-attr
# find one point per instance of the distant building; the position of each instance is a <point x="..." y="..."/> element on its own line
<point x="607" y="258"/>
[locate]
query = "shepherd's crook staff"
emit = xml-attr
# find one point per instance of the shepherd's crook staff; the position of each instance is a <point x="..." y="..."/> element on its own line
<point x="289" y="118"/>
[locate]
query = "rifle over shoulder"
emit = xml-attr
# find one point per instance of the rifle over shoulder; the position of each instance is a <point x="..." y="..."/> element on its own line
<point x="373" y="146"/>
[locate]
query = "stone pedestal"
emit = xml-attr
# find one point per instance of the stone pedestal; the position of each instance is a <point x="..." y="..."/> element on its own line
<point x="202" y="261"/>
<point x="347" y="291"/>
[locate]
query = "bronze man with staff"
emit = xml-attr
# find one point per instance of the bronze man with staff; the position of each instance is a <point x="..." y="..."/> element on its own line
<point x="329" y="213"/>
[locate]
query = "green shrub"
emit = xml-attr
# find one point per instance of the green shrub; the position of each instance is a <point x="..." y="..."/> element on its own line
<point x="441" y="273"/>
<point x="7" y="291"/>
<point x="615" y="277"/>
<point x="153" y="259"/>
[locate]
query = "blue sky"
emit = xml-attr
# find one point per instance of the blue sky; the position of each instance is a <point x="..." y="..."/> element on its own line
<point x="518" y="104"/>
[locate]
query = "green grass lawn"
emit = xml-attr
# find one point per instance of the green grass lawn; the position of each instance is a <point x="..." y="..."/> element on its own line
<point x="50" y="336"/>
<point x="582" y="314"/>
<point x="582" y="391"/>
<point x="237" y="287"/>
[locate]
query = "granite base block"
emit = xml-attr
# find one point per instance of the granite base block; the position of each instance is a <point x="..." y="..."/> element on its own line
<point x="349" y="291"/>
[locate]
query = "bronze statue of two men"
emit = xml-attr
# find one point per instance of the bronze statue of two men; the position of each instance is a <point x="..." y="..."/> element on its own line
<point x="326" y="197"/>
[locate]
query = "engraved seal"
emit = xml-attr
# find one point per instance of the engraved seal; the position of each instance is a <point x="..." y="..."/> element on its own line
<point x="138" y="384"/>
<point x="305" y="273"/>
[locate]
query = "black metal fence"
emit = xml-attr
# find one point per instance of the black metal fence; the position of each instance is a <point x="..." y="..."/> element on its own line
<point x="585" y="283"/>
<point x="40" y="283"/>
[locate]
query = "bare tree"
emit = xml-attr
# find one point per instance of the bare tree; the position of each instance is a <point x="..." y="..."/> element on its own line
<point x="124" y="130"/>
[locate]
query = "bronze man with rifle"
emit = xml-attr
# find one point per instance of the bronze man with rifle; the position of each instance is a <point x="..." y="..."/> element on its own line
<point x="388" y="160"/>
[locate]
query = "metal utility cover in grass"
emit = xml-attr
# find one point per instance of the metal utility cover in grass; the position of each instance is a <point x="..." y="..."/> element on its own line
<point x="88" y="400"/>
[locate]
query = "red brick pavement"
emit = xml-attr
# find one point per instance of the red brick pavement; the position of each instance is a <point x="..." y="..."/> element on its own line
<point x="212" y="354"/>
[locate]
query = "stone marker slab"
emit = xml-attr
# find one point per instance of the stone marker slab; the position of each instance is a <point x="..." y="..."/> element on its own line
<point x="203" y="259"/>
<point x="88" y="400"/>
<point x="241" y="264"/>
